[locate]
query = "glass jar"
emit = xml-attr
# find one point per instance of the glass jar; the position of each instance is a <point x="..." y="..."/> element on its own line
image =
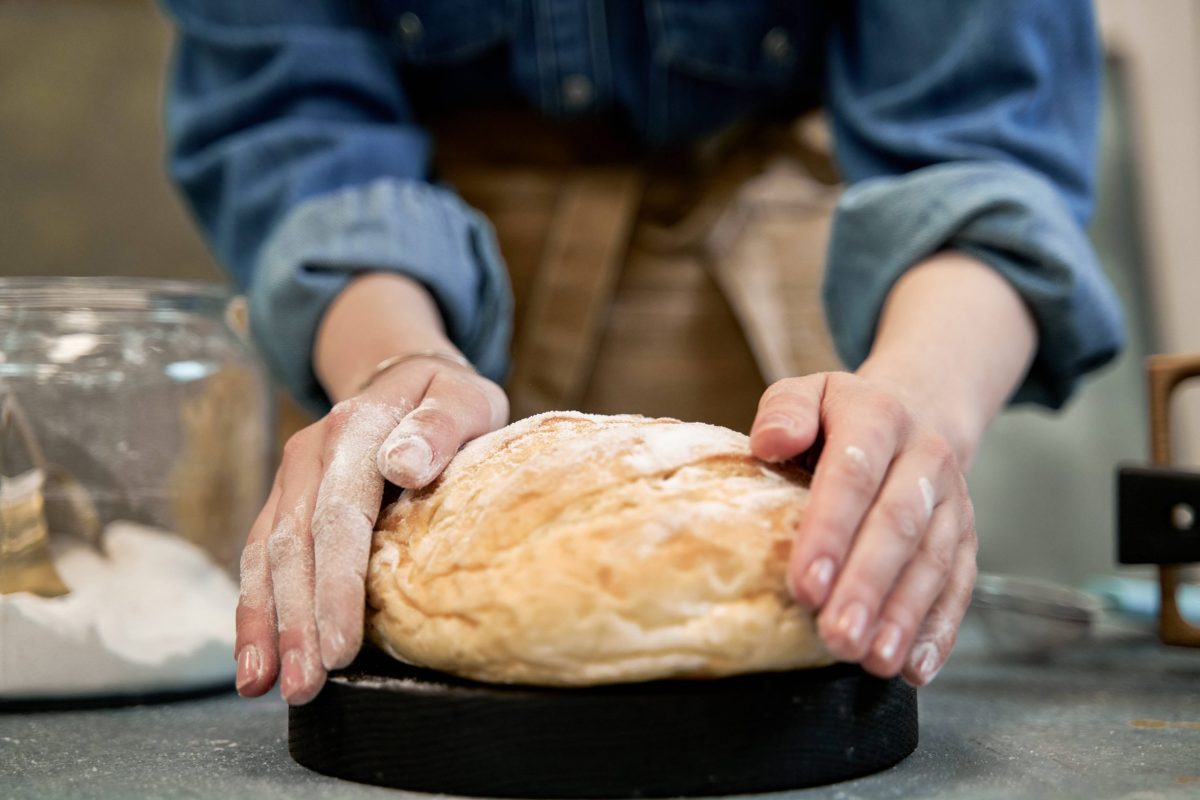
<point x="135" y="433"/>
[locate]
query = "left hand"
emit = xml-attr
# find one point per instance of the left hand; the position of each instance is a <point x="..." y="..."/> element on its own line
<point x="301" y="607"/>
<point x="886" y="550"/>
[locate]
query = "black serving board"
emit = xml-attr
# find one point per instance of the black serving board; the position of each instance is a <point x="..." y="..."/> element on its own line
<point x="386" y="723"/>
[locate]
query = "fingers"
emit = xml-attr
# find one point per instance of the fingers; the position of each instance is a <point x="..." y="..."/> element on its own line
<point x="254" y="648"/>
<point x="458" y="406"/>
<point x="914" y="612"/>
<point x="892" y="531"/>
<point x="862" y="439"/>
<point x="347" y="505"/>
<point x="913" y="595"/>
<point x="301" y="610"/>
<point x="940" y="629"/>
<point x="367" y="443"/>
<point x="788" y="418"/>
<point x="290" y="557"/>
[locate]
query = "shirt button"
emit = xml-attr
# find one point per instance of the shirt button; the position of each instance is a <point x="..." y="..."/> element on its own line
<point x="576" y="91"/>
<point x="777" y="45"/>
<point x="409" y="28"/>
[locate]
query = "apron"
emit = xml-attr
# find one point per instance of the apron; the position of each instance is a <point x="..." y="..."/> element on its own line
<point x="675" y="286"/>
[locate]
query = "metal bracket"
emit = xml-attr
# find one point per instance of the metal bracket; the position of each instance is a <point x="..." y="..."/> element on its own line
<point x="1158" y="515"/>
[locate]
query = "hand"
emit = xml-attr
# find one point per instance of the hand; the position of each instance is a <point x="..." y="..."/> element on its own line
<point x="301" y="607"/>
<point x="886" y="550"/>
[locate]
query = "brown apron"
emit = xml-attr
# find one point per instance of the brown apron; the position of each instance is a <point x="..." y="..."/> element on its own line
<point x="668" y="286"/>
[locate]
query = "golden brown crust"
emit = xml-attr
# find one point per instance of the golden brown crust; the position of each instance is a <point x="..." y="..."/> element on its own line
<point x="569" y="549"/>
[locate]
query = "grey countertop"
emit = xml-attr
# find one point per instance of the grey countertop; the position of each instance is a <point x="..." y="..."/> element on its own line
<point x="1118" y="717"/>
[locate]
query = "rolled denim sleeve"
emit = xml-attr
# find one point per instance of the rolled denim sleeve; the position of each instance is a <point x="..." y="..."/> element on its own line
<point x="971" y="125"/>
<point x="295" y="147"/>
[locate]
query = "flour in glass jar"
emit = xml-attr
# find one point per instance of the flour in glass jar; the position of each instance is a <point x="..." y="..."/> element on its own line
<point x="152" y="614"/>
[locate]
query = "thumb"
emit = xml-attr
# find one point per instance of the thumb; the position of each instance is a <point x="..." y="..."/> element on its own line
<point x="457" y="407"/>
<point x="788" y="418"/>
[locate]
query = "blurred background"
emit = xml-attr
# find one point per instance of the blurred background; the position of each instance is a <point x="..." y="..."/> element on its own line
<point x="83" y="192"/>
<point x="82" y="187"/>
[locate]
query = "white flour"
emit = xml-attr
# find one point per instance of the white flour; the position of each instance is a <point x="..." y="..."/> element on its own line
<point x="156" y="614"/>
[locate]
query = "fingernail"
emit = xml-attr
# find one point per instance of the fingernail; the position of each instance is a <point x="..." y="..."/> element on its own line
<point x="408" y="459"/>
<point x="818" y="579"/>
<point x="291" y="679"/>
<point x="888" y="641"/>
<point x="249" y="667"/>
<point x="853" y="623"/>
<point x="926" y="663"/>
<point x="332" y="645"/>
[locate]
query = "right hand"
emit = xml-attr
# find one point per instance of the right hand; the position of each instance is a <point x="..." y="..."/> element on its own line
<point x="302" y="601"/>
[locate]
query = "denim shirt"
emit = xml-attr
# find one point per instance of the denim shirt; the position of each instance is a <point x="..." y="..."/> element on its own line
<point x="964" y="124"/>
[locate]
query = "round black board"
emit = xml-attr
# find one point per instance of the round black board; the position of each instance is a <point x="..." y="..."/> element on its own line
<point x="386" y="723"/>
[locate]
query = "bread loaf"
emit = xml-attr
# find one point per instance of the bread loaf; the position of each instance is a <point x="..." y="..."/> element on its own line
<point x="568" y="549"/>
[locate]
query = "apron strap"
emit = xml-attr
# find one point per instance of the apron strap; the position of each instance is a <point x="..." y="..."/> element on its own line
<point x="588" y="241"/>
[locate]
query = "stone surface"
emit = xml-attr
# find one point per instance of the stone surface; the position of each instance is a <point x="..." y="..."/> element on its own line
<point x="1118" y="718"/>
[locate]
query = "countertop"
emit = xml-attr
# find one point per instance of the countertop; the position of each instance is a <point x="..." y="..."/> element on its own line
<point x="1117" y="717"/>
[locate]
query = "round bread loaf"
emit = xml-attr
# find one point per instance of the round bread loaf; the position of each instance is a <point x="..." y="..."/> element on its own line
<point x="569" y="549"/>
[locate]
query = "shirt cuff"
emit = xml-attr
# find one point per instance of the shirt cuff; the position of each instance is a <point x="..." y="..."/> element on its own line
<point x="1007" y="217"/>
<point x="409" y="227"/>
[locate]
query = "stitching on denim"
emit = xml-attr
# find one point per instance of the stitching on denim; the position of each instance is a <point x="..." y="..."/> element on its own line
<point x="547" y="63"/>
<point x="658" y="82"/>
<point x="601" y="57"/>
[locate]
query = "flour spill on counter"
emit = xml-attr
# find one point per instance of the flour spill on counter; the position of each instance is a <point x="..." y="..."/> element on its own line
<point x="153" y="613"/>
